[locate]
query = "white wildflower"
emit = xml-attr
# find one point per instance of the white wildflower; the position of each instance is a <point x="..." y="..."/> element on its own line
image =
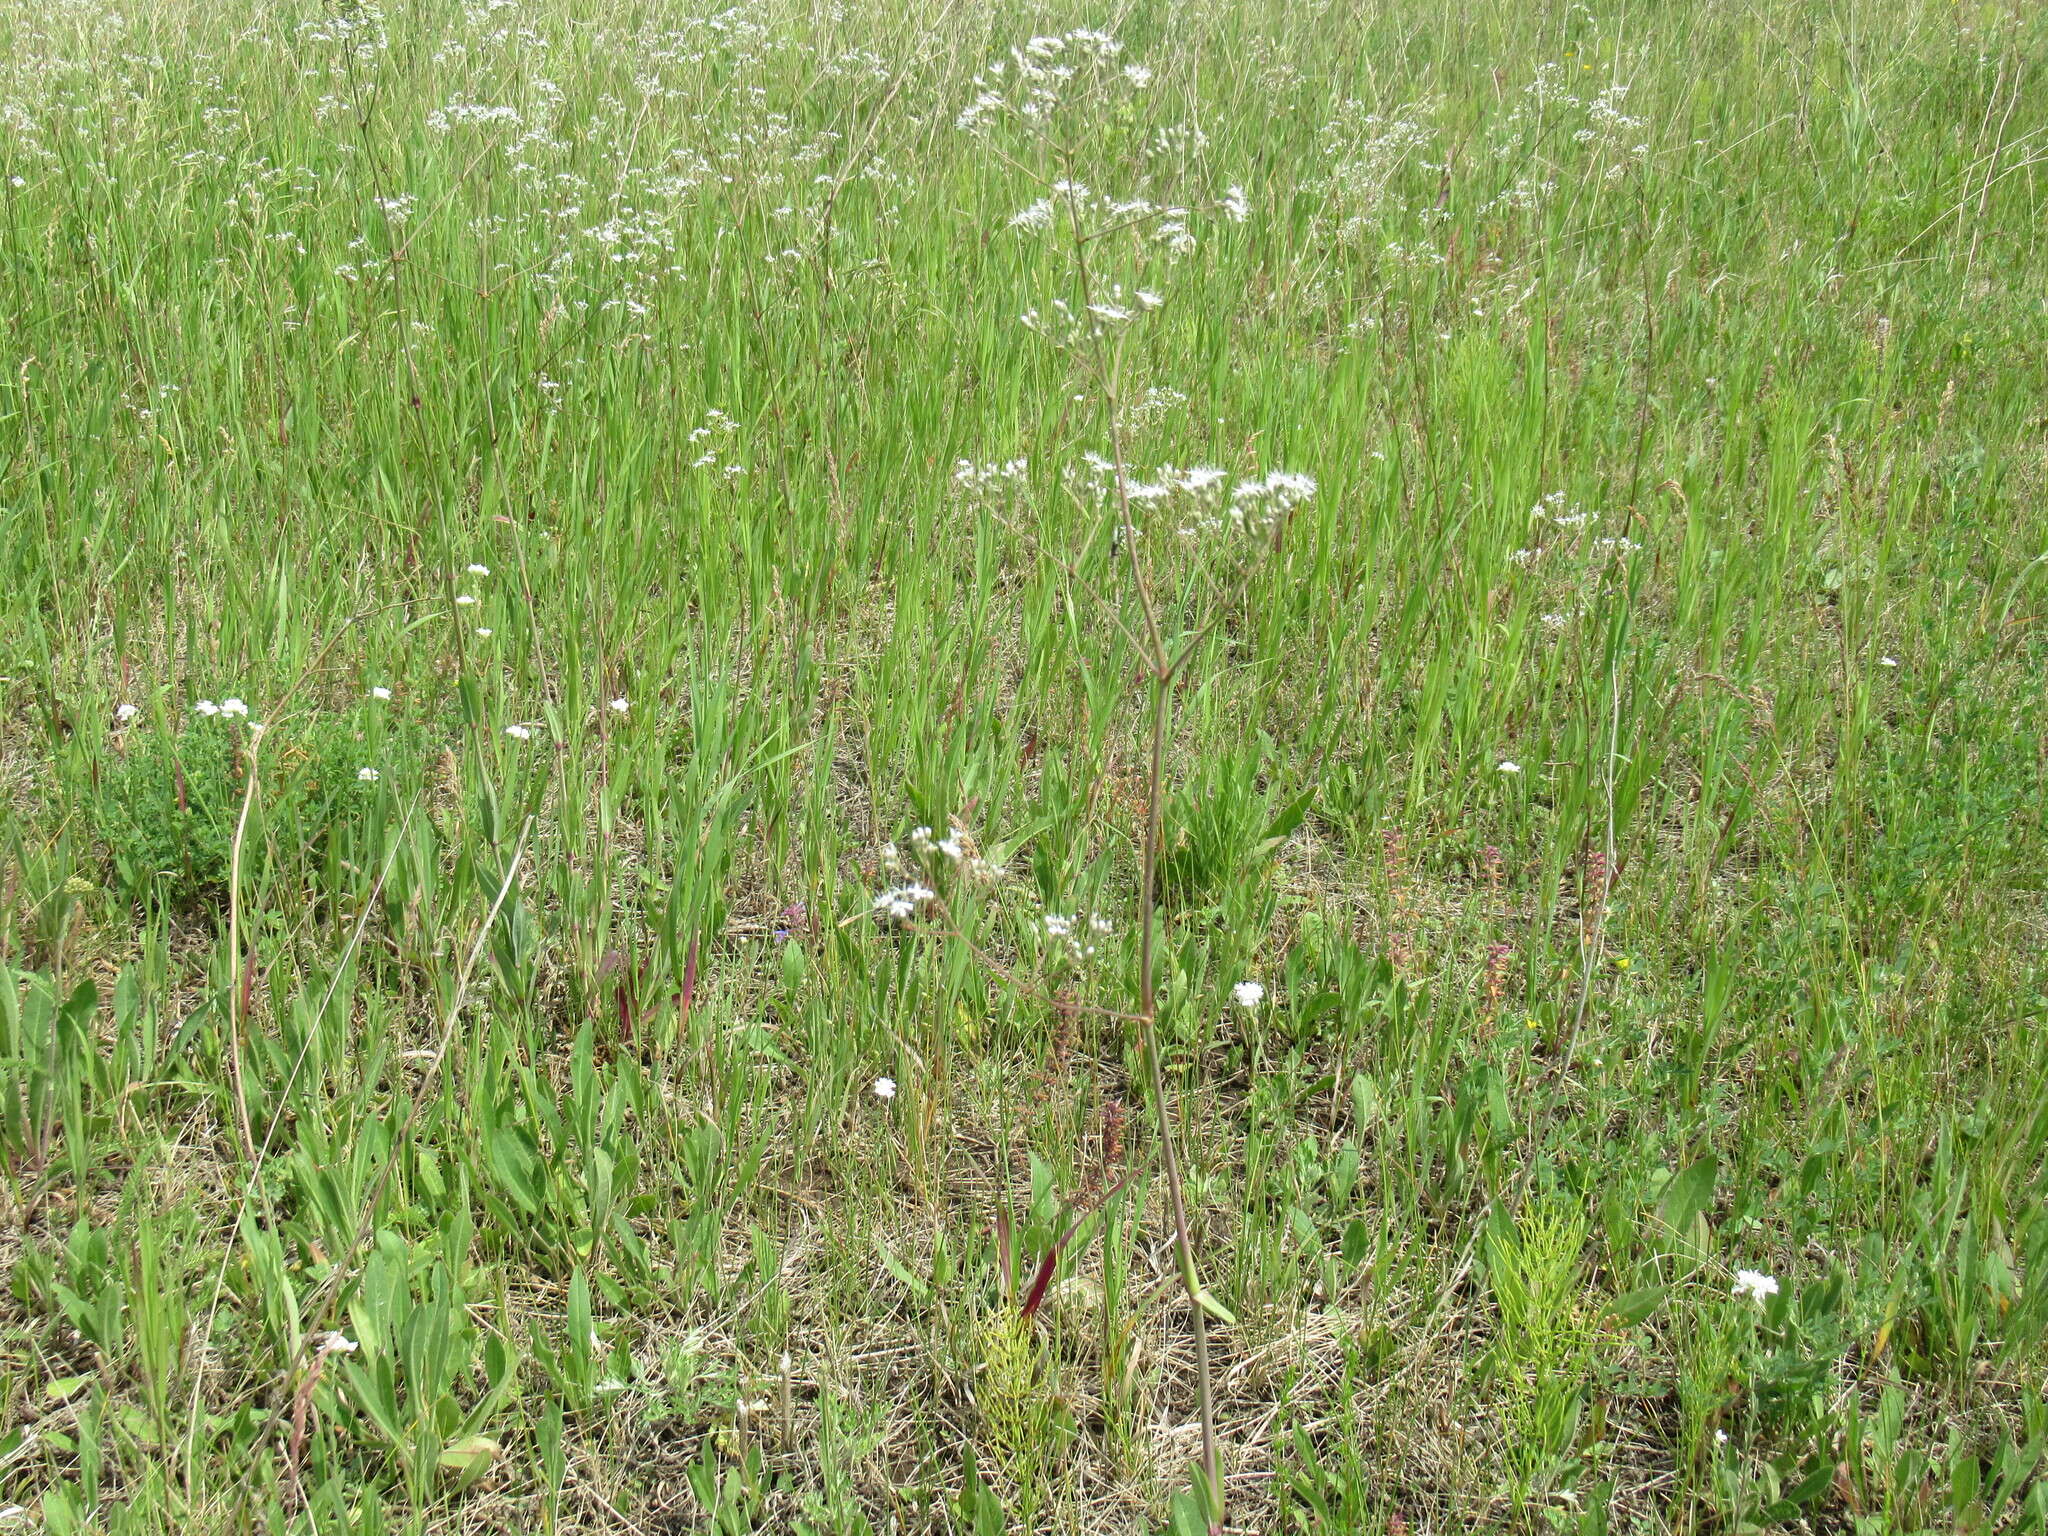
<point x="1248" y="994"/>
<point x="899" y="903"/>
<point x="519" y="732"/>
<point x="1755" y="1284"/>
<point x="883" y="1088"/>
<point x="1035" y="216"/>
<point x="367" y="775"/>
<point x="381" y="694"/>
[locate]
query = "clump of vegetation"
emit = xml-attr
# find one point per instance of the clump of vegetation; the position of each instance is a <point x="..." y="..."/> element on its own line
<point x="166" y="809"/>
<point x="1240" y="766"/>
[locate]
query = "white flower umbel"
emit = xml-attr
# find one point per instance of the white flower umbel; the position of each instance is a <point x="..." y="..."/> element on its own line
<point x="1755" y="1284"/>
<point x="1248" y="994"/>
<point x="900" y="903"/>
<point x="883" y="1088"/>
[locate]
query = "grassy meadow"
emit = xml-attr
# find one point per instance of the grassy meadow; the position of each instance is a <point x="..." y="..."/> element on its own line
<point x="1216" y="765"/>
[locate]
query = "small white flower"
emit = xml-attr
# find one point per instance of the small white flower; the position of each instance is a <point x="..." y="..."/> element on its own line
<point x="482" y="633"/>
<point x="1248" y="994"/>
<point x="367" y="775"/>
<point x="464" y="600"/>
<point x="126" y="713"/>
<point x="257" y="727"/>
<point x="1755" y="1284"/>
<point x="334" y="1344"/>
<point x="234" y="707"/>
<point x="1887" y="661"/>
<point x="206" y="707"/>
<point x="479" y="570"/>
<point x="620" y="706"/>
<point x="1508" y="765"/>
<point x="1720" y="1437"/>
<point x="883" y="1088"/>
<point x="899" y="903"/>
<point x="381" y="693"/>
<point x="519" y="732"/>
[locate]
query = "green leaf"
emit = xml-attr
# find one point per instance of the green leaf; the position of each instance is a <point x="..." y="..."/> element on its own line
<point x="1357" y="1242"/>
<point x="1689" y="1195"/>
<point x="1291" y="816"/>
<point x="1638" y="1304"/>
<point x="468" y="1459"/>
<point x="901" y="1271"/>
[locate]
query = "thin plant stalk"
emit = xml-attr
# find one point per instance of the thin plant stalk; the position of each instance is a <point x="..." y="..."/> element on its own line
<point x="1160" y="670"/>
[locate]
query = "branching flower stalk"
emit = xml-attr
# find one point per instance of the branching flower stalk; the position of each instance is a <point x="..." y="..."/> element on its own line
<point x="1162" y="667"/>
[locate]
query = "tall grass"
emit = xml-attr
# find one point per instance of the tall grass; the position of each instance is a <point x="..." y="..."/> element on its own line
<point x="814" y="769"/>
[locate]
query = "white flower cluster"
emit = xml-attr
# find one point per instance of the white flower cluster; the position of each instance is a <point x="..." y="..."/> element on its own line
<point x="1077" y="936"/>
<point x="1367" y="150"/>
<point x="1554" y="510"/>
<point x="1207" y="494"/>
<point x="1095" y="213"/>
<point x="958" y="850"/>
<point x="1150" y="409"/>
<point x="1572" y="519"/>
<point x="1046" y="73"/>
<point x="716" y="427"/>
<point x="226" y="709"/>
<point x="900" y="903"/>
<point x="1755" y="1285"/>
<point x="990" y="485"/>
<point x="1065" y="325"/>
<point x="470" y="114"/>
